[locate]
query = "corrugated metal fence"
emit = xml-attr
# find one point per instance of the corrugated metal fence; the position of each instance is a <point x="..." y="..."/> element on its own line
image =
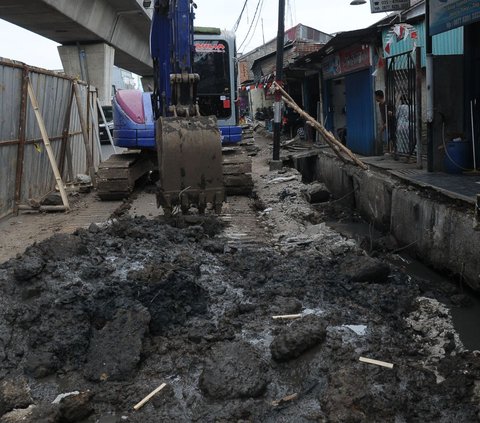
<point x="25" y="170"/>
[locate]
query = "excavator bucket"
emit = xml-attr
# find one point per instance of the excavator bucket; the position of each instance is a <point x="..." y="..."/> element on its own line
<point x="190" y="163"/>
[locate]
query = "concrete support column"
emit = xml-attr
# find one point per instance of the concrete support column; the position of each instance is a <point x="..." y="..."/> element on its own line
<point x="92" y="63"/>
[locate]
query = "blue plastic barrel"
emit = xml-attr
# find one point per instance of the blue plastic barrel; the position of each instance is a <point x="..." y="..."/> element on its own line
<point x="458" y="157"/>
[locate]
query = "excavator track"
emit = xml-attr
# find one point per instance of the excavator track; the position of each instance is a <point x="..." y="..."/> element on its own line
<point x="237" y="171"/>
<point x="117" y="176"/>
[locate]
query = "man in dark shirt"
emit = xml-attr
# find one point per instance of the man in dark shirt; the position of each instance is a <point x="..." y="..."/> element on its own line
<point x="388" y="121"/>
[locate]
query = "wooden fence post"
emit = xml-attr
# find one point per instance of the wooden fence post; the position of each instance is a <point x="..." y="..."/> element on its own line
<point x="83" y="124"/>
<point x="64" y="149"/>
<point x="21" y="141"/>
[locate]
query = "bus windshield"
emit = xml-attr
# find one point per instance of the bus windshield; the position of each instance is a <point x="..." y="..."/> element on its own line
<point x="212" y="63"/>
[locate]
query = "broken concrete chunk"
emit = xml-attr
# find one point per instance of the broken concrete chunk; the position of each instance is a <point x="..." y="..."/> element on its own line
<point x="23" y="415"/>
<point x="52" y="199"/>
<point x="365" y="269"/>
<point x="14" y="393"/>
<point x="317" y="193"/>
<point x="297" y="338"/>
<point x="234" y="370"/>
<point x="115" y="349"/>
<point x="76" y="408"/>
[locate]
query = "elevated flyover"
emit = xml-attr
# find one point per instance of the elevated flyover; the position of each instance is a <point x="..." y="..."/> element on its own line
<point x="94" y="34"/>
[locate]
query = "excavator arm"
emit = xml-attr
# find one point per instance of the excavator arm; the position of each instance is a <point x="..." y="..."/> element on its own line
<point x="188" y="145"/>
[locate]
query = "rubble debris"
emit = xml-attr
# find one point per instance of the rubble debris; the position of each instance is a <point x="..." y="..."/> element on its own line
<point x="52" y="199"/>
<point x="14" y="393"/>
<point x="365" y="269"/>
<point x="317" y="193"/>
<point x="294" y="340"/>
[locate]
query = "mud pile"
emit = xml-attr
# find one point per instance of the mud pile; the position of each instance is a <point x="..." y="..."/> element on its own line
<point x="91" y="323"/>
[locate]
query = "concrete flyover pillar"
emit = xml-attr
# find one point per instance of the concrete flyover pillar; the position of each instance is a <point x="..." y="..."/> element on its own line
<point x="92" y="63"/>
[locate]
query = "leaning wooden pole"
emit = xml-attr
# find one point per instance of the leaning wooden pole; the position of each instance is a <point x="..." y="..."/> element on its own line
<point x="48" y="147"/>
<point x="336" y="146"/>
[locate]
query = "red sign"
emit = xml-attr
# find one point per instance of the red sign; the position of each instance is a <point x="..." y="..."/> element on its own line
<point x="347" y="60"/>
<point x="209" y="47"/>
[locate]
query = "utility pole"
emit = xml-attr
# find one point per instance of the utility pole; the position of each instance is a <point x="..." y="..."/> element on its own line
<point x="430" y="93"/>
<point x="277" y="117"/>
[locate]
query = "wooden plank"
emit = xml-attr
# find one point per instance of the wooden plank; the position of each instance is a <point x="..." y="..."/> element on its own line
<point x="287" y="316"/>
<point x="149" y="397"/>
<point x="48" y="147"/>
<point x="376" y="362"/>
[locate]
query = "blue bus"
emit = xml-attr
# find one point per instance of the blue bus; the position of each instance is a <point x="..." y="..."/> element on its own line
<point x="215" y="62"/>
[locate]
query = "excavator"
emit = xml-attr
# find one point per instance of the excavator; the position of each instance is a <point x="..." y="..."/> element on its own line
<point x="165" y="130"/>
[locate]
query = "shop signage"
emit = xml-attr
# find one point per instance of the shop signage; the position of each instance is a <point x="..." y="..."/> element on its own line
<point x="449" y="14"/>
<point x="347" y="60"/>
<point x="378" y="6"/>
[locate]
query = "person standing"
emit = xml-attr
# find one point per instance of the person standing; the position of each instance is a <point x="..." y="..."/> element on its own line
<point x="388" y="121"/>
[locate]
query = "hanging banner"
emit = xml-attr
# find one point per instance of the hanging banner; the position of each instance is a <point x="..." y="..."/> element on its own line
<point x="377" y="6"/>
<point x="449" y="14"/>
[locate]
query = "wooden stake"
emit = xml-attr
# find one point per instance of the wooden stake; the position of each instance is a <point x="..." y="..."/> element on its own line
<point x="287" y="316"/>
<point x="48" y="147"/>
<point x="376" y="362"/>
<point x="148" y="397"/>
<point x="288" y="398"/>
<point x="336" y="146"/>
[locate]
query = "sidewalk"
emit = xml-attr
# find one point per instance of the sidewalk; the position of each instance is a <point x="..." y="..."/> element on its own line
<point x="18" y="232"/>
<point x="464" y="187"/>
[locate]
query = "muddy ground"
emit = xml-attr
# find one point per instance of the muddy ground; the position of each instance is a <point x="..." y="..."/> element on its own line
<point x="90" y="323"/>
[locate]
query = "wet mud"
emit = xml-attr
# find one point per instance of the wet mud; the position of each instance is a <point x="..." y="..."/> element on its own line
<point x="108" y="314"/>
<point x="261" y="323"/>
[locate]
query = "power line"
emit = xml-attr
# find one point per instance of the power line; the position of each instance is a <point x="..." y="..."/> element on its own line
<point x="289" y="11"/>
<point x="237" y="23"/>
<point x="256" y="24"/>
<point x="260" y="2"/>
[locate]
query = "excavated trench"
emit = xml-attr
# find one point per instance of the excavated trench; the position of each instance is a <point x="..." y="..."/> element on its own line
<point x="91" y="323"/>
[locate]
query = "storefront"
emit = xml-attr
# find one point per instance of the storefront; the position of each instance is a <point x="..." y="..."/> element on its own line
<point x="462" y="120"/>
<point x="348" y="89"/>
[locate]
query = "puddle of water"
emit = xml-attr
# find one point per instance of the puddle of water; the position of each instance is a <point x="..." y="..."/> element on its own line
<point x="360" y="330"/>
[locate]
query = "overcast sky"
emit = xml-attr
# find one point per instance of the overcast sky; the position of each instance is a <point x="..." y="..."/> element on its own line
<point x="325" y="15"/>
